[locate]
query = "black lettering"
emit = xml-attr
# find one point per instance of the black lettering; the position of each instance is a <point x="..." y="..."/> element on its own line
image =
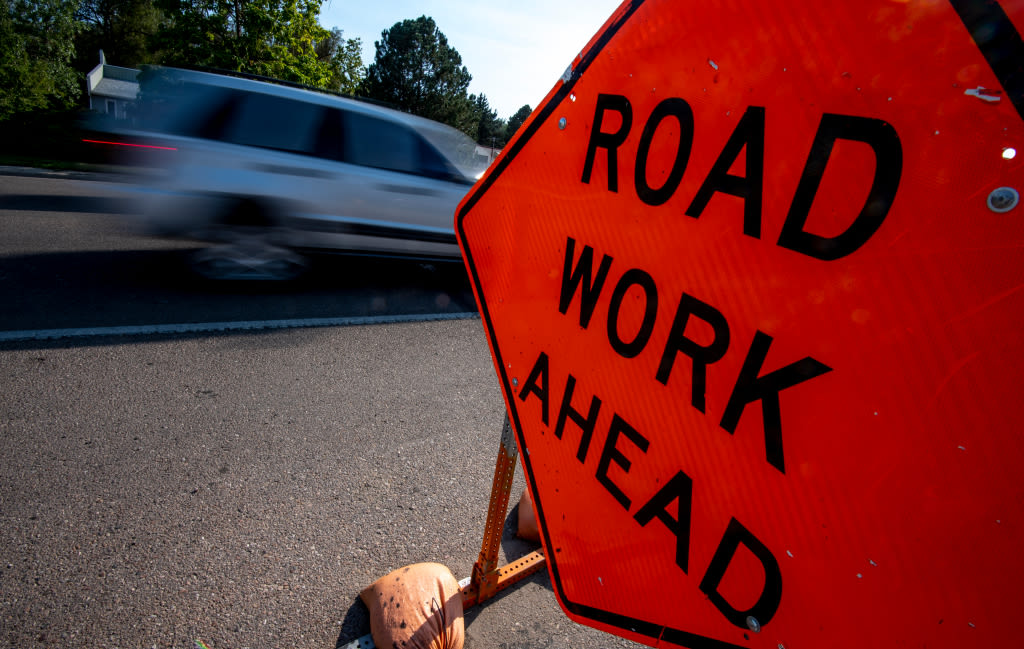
<point x="538" y="373"/>
<point x="702" y="355"/>
<point x="749" y="133"/>
<point x="609" y="141"/>
<point x="611" y="454"/>
<point x="884" y="141"/>
<point x="573" y="277"/>
<point x="750" y="387"/>
<point x="586" y="424"/>
<point x="679" y="488"/>
<point x="633" y="277"/>
<point x="771" y="595"/>
<point x="671" y="107"/>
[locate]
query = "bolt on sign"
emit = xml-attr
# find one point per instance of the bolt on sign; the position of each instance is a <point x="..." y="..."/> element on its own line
<point x="753" y="281"/>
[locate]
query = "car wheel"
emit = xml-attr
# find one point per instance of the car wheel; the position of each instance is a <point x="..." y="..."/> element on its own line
<point x="248" y="260"/>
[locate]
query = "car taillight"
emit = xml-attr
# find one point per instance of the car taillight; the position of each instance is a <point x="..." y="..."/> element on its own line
<point x="130" y="144"/>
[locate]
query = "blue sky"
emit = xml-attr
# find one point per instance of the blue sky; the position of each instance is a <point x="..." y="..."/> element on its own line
<point x="516" y="51"/>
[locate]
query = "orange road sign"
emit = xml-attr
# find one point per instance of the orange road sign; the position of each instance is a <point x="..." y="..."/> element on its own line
<point x="752" y="281"/>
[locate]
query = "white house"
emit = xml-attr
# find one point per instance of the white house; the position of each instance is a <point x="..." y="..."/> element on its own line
<point x="487" y="153"/>
<point x="112" y="89"/>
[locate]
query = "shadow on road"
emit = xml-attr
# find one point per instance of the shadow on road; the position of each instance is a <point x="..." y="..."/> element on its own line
<point x="54" y="203"/>
<point x="147" y="287"/>
<point x="356" y="623"/>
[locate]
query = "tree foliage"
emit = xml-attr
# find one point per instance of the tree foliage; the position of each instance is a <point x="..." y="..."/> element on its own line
<point x="47" y="45"/>
<point x="416" y="70"/>
<point x="123" y="29"/>
<point x="345" y="58"/>
<point x="273" y="38"/>
<point x="516" y="121"/>
<point x="36" y="48"/>
<point x="489" y="131"/>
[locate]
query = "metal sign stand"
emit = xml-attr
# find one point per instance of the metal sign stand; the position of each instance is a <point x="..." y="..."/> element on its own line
<point x="488" y="579"/>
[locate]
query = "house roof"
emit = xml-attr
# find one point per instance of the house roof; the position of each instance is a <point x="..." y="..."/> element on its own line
<point x="116" y="89"/>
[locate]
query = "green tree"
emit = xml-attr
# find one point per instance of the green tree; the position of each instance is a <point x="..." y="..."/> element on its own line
<point x="516" y="121"/>
<point x="274" y="38"/>
<point x="490" y="131"/>
<point x="123" y="29"/>
<point x="416" y="70"/>
<point x="36" y="49"/>
<point x="345" y="58"/>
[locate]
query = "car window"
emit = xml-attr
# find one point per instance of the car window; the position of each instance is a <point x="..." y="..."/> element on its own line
<point x="329" y="139"/>
<point x="434" y="165"/>
<point x="218" y="108"/>
<point x="379" y="143"/>
<point x="373" y="142"/>
<point x="277" y="123"/>
<point x="457" y="148"/>
<point x="191" y="110"/>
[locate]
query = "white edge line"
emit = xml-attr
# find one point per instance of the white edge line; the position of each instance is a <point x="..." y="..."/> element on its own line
<point x="242" y="325"/>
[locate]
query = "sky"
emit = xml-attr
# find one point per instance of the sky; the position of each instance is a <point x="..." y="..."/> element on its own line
<point x="516" y="50"/>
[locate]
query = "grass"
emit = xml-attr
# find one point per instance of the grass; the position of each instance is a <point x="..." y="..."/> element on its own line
<point x="50" y="164"/>
<point x="51" y="141"/>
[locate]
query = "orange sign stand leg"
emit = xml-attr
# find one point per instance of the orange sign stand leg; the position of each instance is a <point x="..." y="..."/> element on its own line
<point x="488" y="579"/>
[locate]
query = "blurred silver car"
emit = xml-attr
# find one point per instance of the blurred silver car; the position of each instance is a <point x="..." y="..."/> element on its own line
<point x="264" y="172"/>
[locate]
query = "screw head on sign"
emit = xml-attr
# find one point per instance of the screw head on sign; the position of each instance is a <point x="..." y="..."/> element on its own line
<point x="753" y="624"/>
<point x="1003" y="199"/>
<point x="562" y="123"/>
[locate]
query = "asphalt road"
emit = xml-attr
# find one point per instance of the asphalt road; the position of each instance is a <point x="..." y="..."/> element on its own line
<point x="238" y="488"/>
